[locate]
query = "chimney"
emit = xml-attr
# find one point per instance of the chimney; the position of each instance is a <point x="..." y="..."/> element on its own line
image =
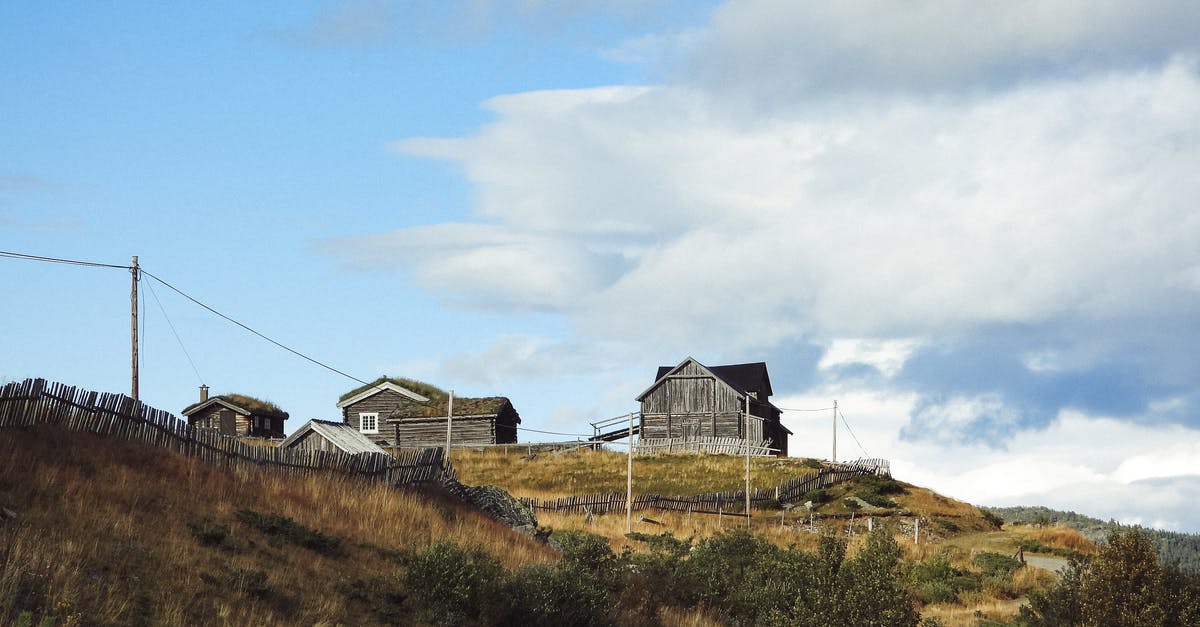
<point x="203" y="393"/>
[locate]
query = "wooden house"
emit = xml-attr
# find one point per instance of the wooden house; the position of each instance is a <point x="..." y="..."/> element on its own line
<point x="330" y="437"/>
<point x="237" y="415"/>
<point x="694" y="401"/>
<point x="412" y="414"/>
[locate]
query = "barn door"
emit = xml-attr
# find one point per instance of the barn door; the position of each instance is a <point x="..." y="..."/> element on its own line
<point x="228" y="422"/>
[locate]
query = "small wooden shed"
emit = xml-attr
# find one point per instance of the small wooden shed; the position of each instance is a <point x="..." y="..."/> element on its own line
<point x="399" y="412"/>
<point x="692" y="400"/>
<point x="237" y="415"/>
<point x="327" y="436"/>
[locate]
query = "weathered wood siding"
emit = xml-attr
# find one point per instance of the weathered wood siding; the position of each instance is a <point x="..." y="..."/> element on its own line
<point x="229" y="422"/>
<point x="694" y="403"/>
<point x="430" y="432"/>
<point x="385" y="403"/>
<point x="314" y="441"/>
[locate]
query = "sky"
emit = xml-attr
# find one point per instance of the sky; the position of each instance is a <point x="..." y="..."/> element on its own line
<point x="972" y="224"/>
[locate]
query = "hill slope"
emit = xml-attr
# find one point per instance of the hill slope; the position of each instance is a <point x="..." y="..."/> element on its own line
<point x="104" y="531"/>
<point x="1182" y="549"/>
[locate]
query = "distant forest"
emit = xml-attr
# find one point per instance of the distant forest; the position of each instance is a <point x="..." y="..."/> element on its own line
<point x="1182" y="549"/>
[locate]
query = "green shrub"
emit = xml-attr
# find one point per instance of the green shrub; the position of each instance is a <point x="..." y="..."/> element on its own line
<point x="995" y="563"/>
<point x="550" y="596"/>
<point x="818" y="496"/>
<point x="991" y="518"/>
<point x="451" y="585"/>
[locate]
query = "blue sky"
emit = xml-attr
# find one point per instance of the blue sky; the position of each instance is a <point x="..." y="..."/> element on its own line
<point x="974" y="225"/>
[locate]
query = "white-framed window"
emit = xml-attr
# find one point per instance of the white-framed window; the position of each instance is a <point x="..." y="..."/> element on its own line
<point x="368" y="423"/>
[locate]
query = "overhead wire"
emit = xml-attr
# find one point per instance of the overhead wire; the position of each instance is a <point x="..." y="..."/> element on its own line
<point x="251" y="330"/>
<point x="860" y="446"/>
<point x="73" y="262"/>
<point x="170" y="324"/>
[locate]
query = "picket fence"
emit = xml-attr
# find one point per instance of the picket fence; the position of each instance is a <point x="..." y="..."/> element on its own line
<point x="36" y="401"/>
<point x="790" y="491"/>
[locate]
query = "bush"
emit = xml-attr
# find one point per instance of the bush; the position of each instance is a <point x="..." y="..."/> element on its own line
<point x="991" y="518"/>
<point x="556" y="595"/>
<point x="451" y="585"/>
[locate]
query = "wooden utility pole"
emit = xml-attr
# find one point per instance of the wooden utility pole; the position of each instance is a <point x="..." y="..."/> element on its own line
<point x="449" y="419"/>
<point x="834" y="458"/>
<point x="133" y="330"/>
<point x="629" y="481"/>
<point x="747" y="461"/>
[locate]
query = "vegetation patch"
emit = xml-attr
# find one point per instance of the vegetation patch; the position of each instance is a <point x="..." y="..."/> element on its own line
<point x="285" y="529"/>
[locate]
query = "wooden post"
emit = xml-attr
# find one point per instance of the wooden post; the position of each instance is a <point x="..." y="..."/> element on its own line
<point x="449" y="417"/>
<point x="629" y="481"/>
<point x="747" y="460"/>
<point x="133" y="328"/>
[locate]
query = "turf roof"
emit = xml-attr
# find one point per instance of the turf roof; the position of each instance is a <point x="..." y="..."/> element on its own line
<point x="255" y="405"/>
<point x="429" y="391"/>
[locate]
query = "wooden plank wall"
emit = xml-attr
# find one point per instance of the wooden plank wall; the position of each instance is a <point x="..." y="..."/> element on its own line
<point x="716" y="502"/>
<point x="36" y="401"/>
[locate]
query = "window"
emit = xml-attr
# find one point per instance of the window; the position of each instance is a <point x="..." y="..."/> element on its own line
<point x="368" y="423"/>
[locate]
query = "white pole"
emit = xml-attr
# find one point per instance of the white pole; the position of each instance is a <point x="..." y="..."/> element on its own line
<point x="747" y="460"/>
<point x="834" y="432"/>
<point x="629" y="481"/>
<point x="917" y="532"/>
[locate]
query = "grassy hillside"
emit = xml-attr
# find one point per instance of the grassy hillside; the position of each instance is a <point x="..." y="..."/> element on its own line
<point x="105" y="531"/>
<point x="113" y="532"/>
<point x="1182" y="549"/>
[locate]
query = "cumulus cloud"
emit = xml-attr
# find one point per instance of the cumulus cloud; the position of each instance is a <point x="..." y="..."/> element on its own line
<point x="893" y="219"/>
<point x="769" y="54"/>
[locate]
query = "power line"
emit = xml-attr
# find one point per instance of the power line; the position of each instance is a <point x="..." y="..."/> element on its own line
<point x="73" y="262"/>
<point x="860" y="446"/>
<point x="276" y="343"/>
<point x="176" y="333"/>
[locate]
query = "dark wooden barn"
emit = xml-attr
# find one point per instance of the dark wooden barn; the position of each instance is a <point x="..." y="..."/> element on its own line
<point x="411" y="414"/>
<point x="237" y="415"/>
<point x="694" y="401"/>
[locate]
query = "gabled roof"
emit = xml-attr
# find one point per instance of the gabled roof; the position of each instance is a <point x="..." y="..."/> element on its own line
<point x="379" y="385"/>
<point x="345" y="437"/>
<point x="239" y="403"/>
<point x="751" y="377"/>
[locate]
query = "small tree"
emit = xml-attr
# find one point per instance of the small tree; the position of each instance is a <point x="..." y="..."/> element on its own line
<point x="1124" y="584"/>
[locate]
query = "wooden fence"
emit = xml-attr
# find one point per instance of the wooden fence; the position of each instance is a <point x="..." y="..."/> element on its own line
<point x="714" y="502"/>
<point x="36" y="401"/>
<point x="701" y="444"/>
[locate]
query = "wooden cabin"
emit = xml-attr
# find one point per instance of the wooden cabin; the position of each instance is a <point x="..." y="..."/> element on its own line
<point x="330" y="437"/>
<point x="692" y="400"/>
<point x="412" y="414"/>
<point x="237" y="415"/>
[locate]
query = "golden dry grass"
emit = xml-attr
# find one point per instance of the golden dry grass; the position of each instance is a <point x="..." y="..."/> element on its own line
<point x="583" y="471"/>
<point x="1064" y="538"/>
<point x="104" y="535"/>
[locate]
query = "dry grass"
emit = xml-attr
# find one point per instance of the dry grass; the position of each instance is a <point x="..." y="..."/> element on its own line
<point x="1064" y="538"/>
<point x="583" y="471"/>
<point x="105" y="534"/>
<point x="999" y="610"/>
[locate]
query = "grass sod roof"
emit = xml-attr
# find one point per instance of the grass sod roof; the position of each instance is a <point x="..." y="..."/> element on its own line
<point x="254" y="405"/>
<point x="438" y="398"/>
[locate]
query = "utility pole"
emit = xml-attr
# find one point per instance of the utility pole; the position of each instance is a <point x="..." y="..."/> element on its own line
<point x="747" y="461"/>
<point x="133" y="328"/>
<point x="449" y="417"/>
<point x="834" y="431"/>
<point x="629" y="481"/>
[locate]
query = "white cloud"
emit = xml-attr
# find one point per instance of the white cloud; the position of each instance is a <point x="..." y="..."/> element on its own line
<point x="769" y="54"/>
<point x="886" y="356"/>
<point x="904" y="217"/>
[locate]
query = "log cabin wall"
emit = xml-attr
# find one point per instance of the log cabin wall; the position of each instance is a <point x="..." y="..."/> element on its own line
<point x="431" y="432"/>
